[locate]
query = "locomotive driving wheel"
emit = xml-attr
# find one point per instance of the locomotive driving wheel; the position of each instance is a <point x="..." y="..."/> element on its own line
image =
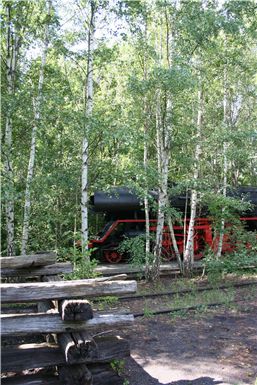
<point x="112" y="256"/>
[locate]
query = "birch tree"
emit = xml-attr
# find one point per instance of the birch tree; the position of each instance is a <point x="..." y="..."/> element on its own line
<point x="225" y="163"/>
<point x="189" y="248"/>
<point x="146" y="200"/>
<point x="37" y="104"/>
<point x="163" y="145"/>
<point x="11" y="62"/>
<point x="88" y="115"/>
<point x="16" y="16"/>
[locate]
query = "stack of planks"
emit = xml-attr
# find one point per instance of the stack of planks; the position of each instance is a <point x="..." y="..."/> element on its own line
<point x="82" y="348"/>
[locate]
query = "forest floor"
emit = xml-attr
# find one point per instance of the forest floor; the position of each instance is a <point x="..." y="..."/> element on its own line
<point x="204" y="347"/>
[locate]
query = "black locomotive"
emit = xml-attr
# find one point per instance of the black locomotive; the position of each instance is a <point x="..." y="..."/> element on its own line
<point x="124" y="215"/>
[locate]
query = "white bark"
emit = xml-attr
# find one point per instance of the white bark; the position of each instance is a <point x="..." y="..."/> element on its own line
<point x="146" y="204"/>
<point x="11" y="64"/>
<point x="146" y="187"/>
<point x="189" y="249"/>
<point x="225" y="166"/>
<point x="37" y="118"/>
<point x="174" y="244"/>
<point x="170" y="47"/>
<point x="163" y="154"/>
<point x="85" y="143"/>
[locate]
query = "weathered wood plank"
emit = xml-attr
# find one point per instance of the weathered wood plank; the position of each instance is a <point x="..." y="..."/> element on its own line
<point x="75" y="375"/>
<point x="53" y="269"/>
<point x="124" y="268"/>
<point x="24" y="261"/>
<point x="28" y="292"/>
<point x="98" y="349"/>
<point x="103" y="374"/>
<point x="22" y="309"/>
<point x="35" y="379"/>
<point x="52" y="323"/>
<point x="30" y="356"/>
<point x="75" y="310"/>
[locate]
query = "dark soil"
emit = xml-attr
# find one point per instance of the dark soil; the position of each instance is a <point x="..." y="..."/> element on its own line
<point x="217" y="346"/>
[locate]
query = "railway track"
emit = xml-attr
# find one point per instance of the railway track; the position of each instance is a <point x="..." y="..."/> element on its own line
<point x="182" y="293"/>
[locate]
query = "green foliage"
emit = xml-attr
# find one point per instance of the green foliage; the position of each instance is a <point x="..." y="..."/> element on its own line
<point x="135" y="249"/>
<point x="118" y="366"/>
<point x="83" y="267"/>
<point x="104" y="303"/>
<point x="242" y="259"/>
<point x="148" y="312"/>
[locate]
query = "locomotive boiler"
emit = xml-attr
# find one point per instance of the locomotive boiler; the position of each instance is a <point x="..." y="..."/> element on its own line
<point x="125" y="218"/>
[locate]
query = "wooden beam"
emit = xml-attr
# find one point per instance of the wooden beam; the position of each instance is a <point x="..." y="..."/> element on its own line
<point x="125" y="268"/>
<point x="35" y="379"/>
<point x="31" y="356"/>
<point x="38" y="291"/>
<point x="52" y="323"/>
<point x="102" y="375"/>
<point x="75" y="310"/>
<point x="75" y="375"/>
<point x="53" y="269"/>
<point x="24" y="261"/>
<point x="98" y="349"/>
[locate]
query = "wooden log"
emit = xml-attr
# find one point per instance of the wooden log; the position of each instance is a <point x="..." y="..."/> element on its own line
<point x="110" y="347"/>
<point x="25" y="261"/>
<point x="28" y="292"/>
<point x="53" y="269"/>
<point x="103" y="374"/>
<point x="124" y="268"/>
<point x="98" y="349"/>
<point x="45" y="306"/>
<point x="75" y="375"/>
<point x="48" y="305"/>
<point x="116" y="277"/>
<point x="35" y="379"/>
<point x="75" y="353"/>
<point x="24" y="309"/>
<point x="75" y="310"/>
<point x="30" y="356"/>
<point x="52" y="323"/>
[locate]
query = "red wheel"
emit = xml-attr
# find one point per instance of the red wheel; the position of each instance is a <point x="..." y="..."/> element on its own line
<point x="112" y="256"/>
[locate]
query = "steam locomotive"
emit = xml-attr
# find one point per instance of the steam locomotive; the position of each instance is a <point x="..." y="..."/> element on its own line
<point x="125" y="218"/>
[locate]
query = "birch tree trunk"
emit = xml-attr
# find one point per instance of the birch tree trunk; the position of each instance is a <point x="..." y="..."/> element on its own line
<point x="225" y="166"/>
<point x="85" y="142"/>
<point x="163" y="154"/>
<point x="12" y="49"/>
<point x="146" y="200"/>
<point x="37" y="118"/>
<point x="189" y="249"/>
<point x="170" y="49"/>
<point x="8" y="144"/>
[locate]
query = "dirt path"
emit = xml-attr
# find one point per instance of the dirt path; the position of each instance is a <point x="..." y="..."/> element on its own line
<point x="218" y="347"/>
